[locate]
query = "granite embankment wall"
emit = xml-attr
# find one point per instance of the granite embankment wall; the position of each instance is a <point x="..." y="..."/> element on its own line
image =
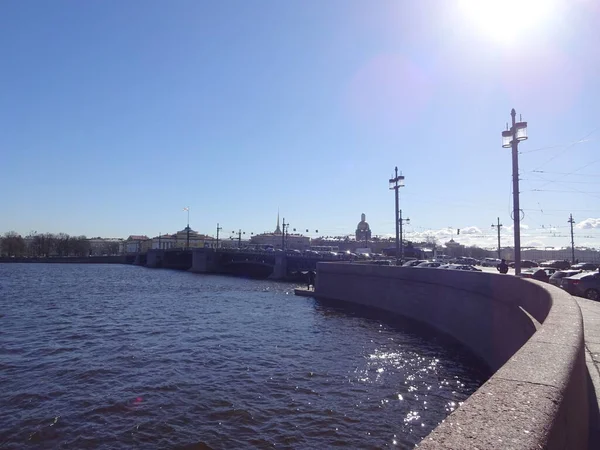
<point x="530" y="334"/>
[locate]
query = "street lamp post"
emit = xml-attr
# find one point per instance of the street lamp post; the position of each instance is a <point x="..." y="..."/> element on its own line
<point x="284" y="230"/>
<point x="218" y="229"/>
<point x="396" y="183"/>
<point x="401" y="220"/>
<point x="187" y="229"/>
<point x="510" y="139"/>
<point x="572" y="221"/>
<point x="498" y="227"/>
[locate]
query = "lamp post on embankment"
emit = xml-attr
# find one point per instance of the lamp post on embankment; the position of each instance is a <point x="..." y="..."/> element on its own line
<point x="510" y="139"/>
<point x="396" y="183"/>
<point x="401" y="220"/>
<point x="572" y="221"/>
<point x="498" y="226"/>
<point x="218" y="229"/>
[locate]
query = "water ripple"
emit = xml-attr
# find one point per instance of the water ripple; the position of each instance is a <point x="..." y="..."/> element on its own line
<point x="109" y="357"/>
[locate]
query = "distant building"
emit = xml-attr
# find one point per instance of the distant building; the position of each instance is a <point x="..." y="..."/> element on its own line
<point x="180" y="240"/>
<point x="581" y="254"/>
<point x="105" y="246"/>
<point x="275" y="239"/>
<point x="135" y="244"/>
<point x="454" y="249"/>
<point x="363" y="231"/>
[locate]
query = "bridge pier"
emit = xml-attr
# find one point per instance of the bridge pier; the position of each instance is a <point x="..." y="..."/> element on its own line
<point x="280" y="269"/>
<point x="204" y="260"/>
<point x="140" y="259"/>
<point x="155" y="258"/>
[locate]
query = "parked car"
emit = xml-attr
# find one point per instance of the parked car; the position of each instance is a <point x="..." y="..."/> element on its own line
<point x="429" y="264"/>
<point x="382" y="262"/>
<point x="584" y="266"/>
<point x="584" y="284"/>
<point x="465" y="260"/>
<point x="525" y="264"/>
<point x="557" y="276"/>
<point x="468" y="268"/>
<point x="459" y="267"/>
<point x="561" y="265"/>
<point x="413" y="262"/>
<point x="489" y="262"/>
<point x="536" y="274"/>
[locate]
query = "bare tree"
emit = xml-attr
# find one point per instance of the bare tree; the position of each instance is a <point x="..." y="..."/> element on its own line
<point x="43" y="244"/>
<point x="63" y="244"/>
<point x="13" y="244"/>
<point x="80" y="246"/>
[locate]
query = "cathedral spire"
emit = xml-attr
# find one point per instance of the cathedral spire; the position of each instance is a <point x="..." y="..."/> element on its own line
<point x="277" y="230"/>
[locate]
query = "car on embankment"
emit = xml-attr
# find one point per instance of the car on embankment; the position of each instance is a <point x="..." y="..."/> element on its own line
<point x="413" y="262"/>
<point x="584" y="266"/>
<point x="557" y="264"/>
<point x="429" y="264"/>
<point x="525" y="264"/>
<point x="557" y="276"/>
<point x="489" y="262"/>
<point x="465" y="267"/>
<point x="537" y="274"/>
<point x="584" y="284"/>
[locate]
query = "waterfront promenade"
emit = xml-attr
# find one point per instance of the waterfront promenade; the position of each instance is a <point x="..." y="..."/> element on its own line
<point x="542" y="394"/>
<point x="590" y="311"/>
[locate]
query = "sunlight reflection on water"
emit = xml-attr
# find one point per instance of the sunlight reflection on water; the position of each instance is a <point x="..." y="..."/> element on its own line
<point x="120" y="357"/>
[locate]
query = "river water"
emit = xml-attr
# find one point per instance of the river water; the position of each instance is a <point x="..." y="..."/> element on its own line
<point x="113" y="356"/>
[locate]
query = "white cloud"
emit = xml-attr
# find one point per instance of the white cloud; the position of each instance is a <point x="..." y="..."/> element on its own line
<point x="531" y="236"/>
<point x="522" y="226"/>
<point x="588" y="224"/>
<point x="536" y="244"/>
<point x="470" y="230"/>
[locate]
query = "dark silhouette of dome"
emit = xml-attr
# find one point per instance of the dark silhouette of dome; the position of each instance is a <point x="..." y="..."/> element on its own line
<point x="363" y="230"/>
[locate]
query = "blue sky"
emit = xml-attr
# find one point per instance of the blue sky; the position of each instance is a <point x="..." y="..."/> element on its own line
<point x="116" y="115"/>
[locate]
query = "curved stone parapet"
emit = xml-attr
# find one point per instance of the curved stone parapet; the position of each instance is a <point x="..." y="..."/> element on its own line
<point x="529" y="333"/>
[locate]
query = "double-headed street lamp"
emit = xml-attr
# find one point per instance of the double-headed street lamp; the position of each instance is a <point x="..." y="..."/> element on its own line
<point x="511" y="138"/>
<point x="284" y="231"/>
<point x="395" y="184"/>
<point x="239" y="233"/>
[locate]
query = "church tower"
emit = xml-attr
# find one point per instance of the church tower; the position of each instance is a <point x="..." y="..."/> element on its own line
<point x="277" y="230"/>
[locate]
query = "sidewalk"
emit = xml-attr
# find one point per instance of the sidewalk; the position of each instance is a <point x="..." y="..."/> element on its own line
<point x="591" y="325"/>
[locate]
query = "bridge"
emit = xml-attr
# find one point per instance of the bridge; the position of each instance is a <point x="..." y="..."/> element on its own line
<point x="251" y="263"/>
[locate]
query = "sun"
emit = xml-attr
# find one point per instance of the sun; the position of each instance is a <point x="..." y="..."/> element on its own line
<point x="505" y="21"/>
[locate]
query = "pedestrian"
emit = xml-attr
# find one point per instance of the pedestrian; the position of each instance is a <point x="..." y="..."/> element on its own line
<point x="311" y="279"/>
<point x="502" y="267"/>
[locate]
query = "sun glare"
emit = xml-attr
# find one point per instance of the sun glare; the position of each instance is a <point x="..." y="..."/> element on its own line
<point x="507" y="20"/>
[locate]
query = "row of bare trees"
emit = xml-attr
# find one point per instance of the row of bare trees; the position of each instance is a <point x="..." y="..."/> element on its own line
<point x="44" y="244"/>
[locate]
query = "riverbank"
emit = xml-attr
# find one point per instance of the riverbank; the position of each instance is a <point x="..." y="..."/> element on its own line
<point x="119" y="259"/>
